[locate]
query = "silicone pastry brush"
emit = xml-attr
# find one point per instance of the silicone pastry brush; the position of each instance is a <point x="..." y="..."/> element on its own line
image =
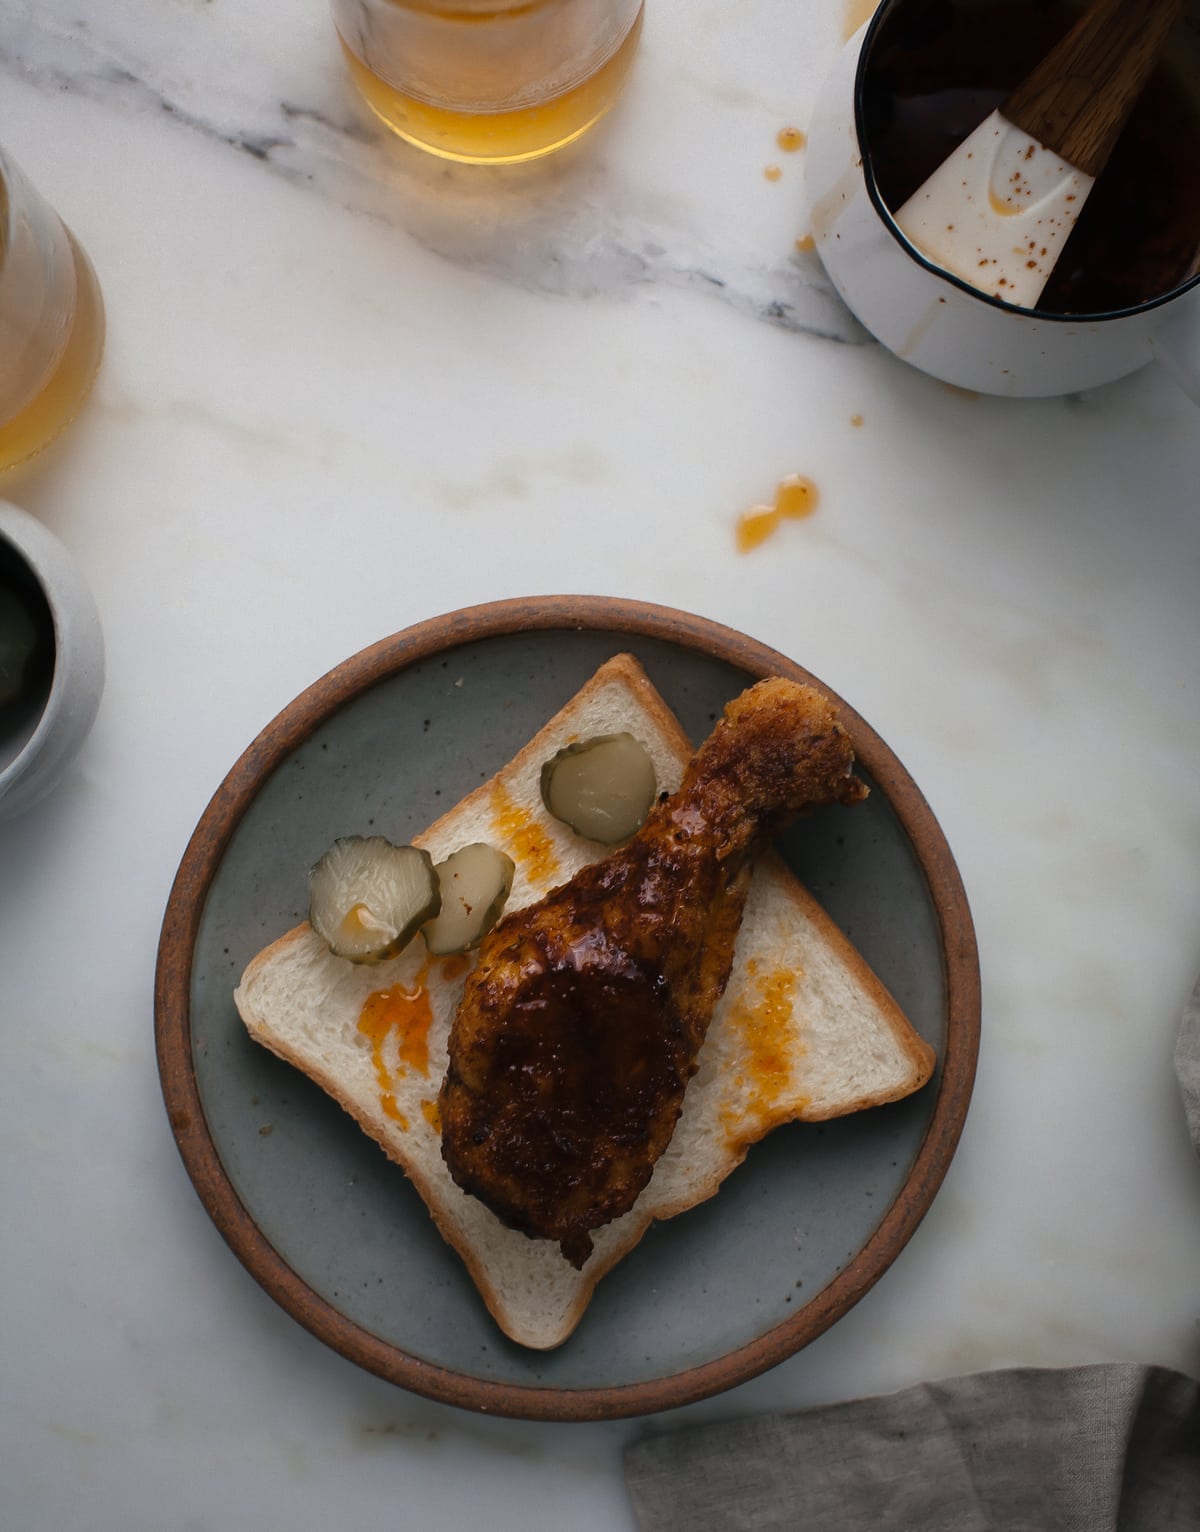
<point x="998" y="211"/>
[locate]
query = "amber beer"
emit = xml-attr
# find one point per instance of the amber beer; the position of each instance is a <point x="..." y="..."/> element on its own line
<point x="489" y="81"/>
<point x="51" y="320"/>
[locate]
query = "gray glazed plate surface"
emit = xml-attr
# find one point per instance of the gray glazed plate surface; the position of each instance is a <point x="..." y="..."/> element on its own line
<point x="336" y="1232"/>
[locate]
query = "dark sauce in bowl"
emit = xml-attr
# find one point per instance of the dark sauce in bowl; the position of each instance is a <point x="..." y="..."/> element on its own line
<point x="26" y="654"/>
<point x="936" y="68"/>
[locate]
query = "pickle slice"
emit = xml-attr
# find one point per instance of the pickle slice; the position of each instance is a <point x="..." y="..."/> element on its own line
<point x="368" y="898"/>
<point x="602" y="787"/>
<point x="475" y="882"/>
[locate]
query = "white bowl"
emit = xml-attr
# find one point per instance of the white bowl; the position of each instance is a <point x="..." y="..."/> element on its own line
<point x="39" y="742"/>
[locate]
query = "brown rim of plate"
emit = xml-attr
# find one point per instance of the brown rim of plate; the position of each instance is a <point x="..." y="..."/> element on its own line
<point x="181" y="922"/>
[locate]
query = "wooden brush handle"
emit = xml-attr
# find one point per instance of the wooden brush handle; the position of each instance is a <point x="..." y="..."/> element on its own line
<point x="1077" y="99"/>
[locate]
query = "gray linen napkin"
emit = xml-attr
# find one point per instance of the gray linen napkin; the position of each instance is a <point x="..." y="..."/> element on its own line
<point x="1109" y="1448"/>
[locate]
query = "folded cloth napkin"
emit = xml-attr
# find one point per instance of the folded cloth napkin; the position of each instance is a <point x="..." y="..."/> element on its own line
<point x="1108" y="1448"/>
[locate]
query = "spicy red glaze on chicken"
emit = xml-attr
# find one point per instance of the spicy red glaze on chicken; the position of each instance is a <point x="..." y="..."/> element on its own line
<point x="580" y="1026"/>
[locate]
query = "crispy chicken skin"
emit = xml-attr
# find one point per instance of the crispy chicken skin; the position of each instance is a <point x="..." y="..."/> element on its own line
<point x="579" y="1028"/>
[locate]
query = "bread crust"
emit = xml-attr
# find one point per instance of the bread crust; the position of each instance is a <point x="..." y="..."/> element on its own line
<point x="805" y="1031"/>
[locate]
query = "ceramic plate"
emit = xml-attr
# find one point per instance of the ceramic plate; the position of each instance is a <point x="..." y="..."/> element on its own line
<point x="335" y="1233"/>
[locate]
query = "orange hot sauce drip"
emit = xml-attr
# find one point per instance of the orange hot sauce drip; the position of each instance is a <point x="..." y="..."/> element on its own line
<point x="407" y="1013"/>
<point x="789" y="140"/>
<point x="528" y="844"/>
<point x="455" y="966"/>
<point x="766" y="1031"/>
<point x="795" y="497"/>
<point x="764" y="1021"/>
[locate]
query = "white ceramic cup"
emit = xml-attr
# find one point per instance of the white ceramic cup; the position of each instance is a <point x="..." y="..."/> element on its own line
<point x="40" y="741"/>
<point x="939" y="323"/>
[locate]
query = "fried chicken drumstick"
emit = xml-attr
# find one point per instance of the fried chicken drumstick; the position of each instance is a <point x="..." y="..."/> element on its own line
<point x="579" y="1028"/>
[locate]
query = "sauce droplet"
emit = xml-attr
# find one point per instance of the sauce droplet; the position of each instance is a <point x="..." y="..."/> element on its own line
<point x="772" y="172"/>
<point x="755" y="526"/>
<point x="790" y="140"/>
<point x="795" y="497"/>
<point x="806" y="242"/>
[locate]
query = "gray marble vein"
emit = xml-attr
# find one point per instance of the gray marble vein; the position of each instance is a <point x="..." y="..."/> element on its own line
<point x="566" y="225"/>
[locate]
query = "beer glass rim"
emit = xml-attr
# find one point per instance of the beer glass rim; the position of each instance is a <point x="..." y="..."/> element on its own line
<point x="7" y="211"/>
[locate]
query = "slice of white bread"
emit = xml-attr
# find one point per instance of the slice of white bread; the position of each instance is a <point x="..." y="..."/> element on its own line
<point x="804" y="1031"/>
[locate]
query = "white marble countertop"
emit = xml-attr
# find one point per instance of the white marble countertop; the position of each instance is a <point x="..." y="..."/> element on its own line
<point x="348" y="388"/>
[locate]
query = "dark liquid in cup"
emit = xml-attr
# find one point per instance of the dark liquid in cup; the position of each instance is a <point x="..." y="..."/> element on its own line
<point x="938" y="67"/>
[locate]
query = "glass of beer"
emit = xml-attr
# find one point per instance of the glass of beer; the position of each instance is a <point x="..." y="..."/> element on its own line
<point x="51" y="320"/>
<point x="489" y="81"/>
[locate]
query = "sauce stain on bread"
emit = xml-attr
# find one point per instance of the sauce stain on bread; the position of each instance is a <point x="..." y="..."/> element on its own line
<point x="528" y="844"/>
<point x="762" y="1015"/>
<point x="396" y="1022"/>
